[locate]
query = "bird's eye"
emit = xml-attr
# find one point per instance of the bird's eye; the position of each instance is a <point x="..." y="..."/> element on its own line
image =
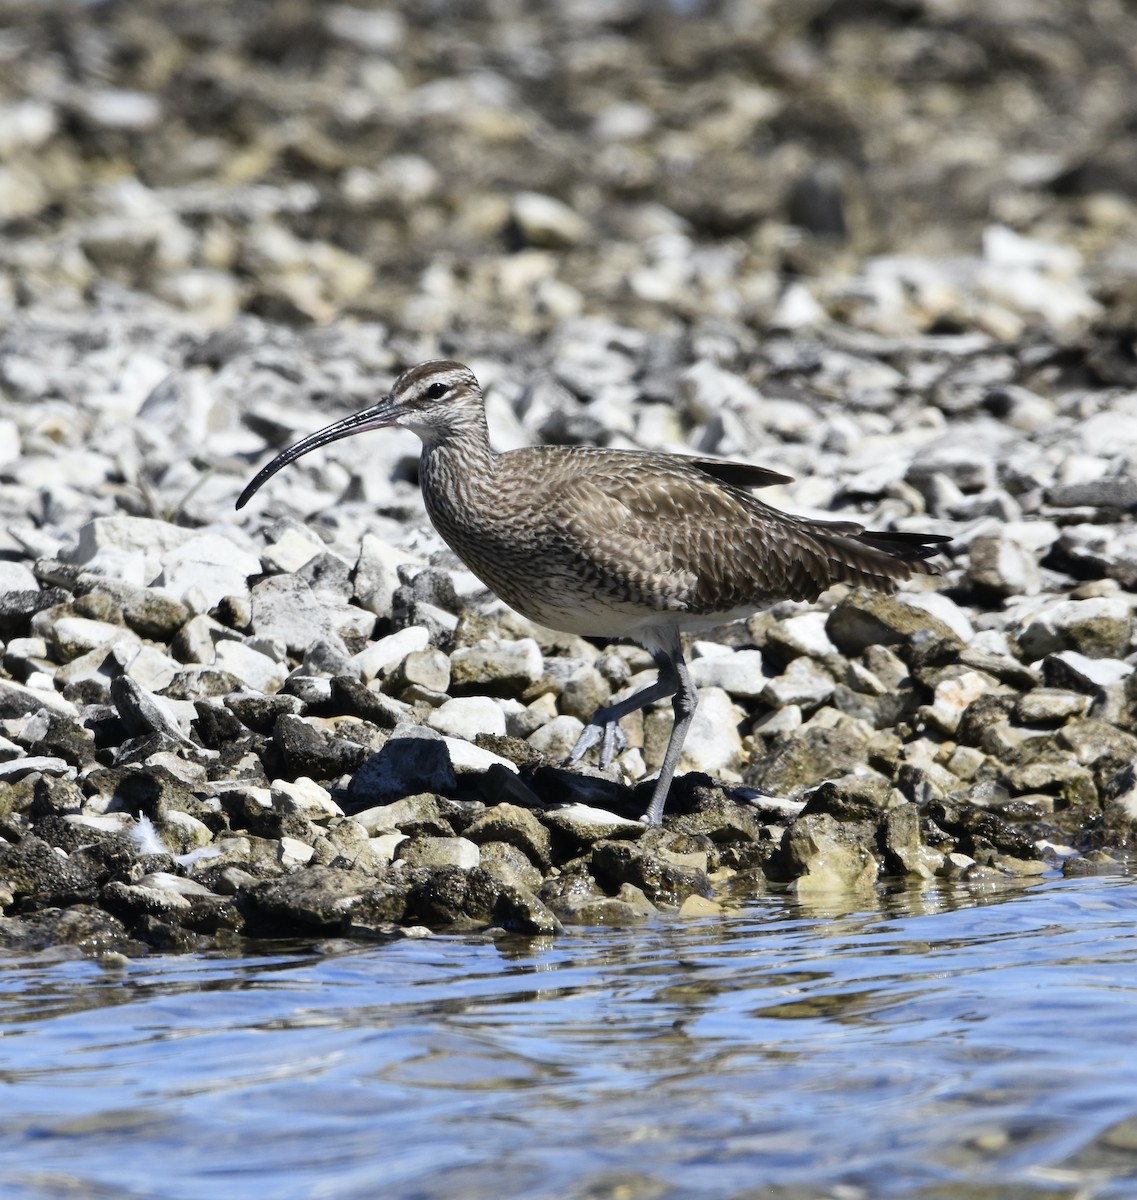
<point x="437" y="390"/>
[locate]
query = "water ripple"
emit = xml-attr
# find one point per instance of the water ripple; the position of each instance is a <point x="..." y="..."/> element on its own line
<point x="933" y="1047"/>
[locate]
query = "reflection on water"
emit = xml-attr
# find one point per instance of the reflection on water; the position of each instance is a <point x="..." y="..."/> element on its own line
<point x="937" y="1047"/>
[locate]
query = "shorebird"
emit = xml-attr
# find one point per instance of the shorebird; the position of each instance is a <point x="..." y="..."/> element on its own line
<point x="616" y="543"/>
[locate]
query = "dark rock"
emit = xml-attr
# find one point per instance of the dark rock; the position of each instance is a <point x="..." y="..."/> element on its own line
<point x="382" y="904"/>
<point x="309" y="750"/>
<point x="864" y="618"/>
<point x="450" y="896"/>
<point x="38" y="877"/>
<point x="54" y="797"/>
<point x="980" y="833"/>
<point x="805" y="759"/>
<point x="64" y="737"/>
<point x="1072" y="783"/>
<point x="516" y="826"/>
<point x="706" y="810"/>
<point x="315" y="898"/>
<point x="520" y="911"/>
<point x="414" y="759"/>
<point x="818" y="852"/>
<point x="662" y="875"/>
<point x="349" y="695"/>
<point x="216" y="726"/>
<point x="1117" y="492"/>
<point x="259" y="713"/>
<point x="86" y="927"/>
<point x="141" y="712"/>
<point x="150" y="613"/>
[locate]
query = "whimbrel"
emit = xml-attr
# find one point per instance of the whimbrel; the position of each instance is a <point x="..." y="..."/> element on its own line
<point x="616" y="543"/>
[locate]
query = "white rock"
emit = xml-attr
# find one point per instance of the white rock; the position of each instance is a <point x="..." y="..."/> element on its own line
<point x="1045" y="630"/>
<point x="713" y="742"/>
<point x="385" y="845"/>
<point x="46" y="764"/>
<point x="16" y="694"/>
<point x="739" y="673"/>
<point x="1098" y="672"/>
<point x="558" y="737"/>
<point x="292" y="550"/>
<point x="255" y="670"/>
<point x="942" y="607"/>
<point x="122" y="109"/>
<point x="15" y="577"/>
<point x="380" y="33"/>
<point x="545" y="221"/>
<point x="953" y="695"/>
<point x="304" y="797"/>
<point x="441" y="851"/>
<point x="806" y="634"/>
<point x="292" y="852"/>
<point x="465" y="756"/>
<point x="213" y="564"/>
<point x="78" y="635"/>
<point x="802" y="683"/>
<point x="190" y="830"/>
<point x="378" y="658"/>
<point x="705" y="388"/>
<point x="797" y="309"/>
<point x="150" y="537"/>
<point x="151" y="668"/>
<point x="467" y="716"/>
<point x="1002" y="247"/>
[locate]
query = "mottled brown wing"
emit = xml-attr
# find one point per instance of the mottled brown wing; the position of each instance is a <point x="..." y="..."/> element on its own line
<point x="673" y="539"/>
<point x="670" y="537"/>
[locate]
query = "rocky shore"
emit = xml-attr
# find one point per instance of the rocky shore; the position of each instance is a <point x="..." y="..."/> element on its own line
<point x="889" y="254"/>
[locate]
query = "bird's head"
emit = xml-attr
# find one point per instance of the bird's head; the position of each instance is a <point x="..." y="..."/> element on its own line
<point x="434" y="399"/>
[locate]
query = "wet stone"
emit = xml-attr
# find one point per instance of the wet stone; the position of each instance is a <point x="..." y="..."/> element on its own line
<point x="575" y="827"/>
<point x="825" y="859"/>
<point x="452" y="896"/>
<point x="38" y="876"/>
<point x="315" y="899"/>
<point x="662" y="876"/>
<point x="518" y="910"/>
<point x="628" y="907"/>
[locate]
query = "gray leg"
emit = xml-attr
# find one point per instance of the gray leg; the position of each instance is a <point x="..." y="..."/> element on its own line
<point x="673" y="681"/>
<point x="605" y="721"/>
<point x="686" y="699"/>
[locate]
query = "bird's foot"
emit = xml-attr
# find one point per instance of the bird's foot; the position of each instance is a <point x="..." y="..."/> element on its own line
<point x="608" y="733"/>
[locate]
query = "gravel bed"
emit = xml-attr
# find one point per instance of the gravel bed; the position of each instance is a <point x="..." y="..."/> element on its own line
<point x="738" y="231"/>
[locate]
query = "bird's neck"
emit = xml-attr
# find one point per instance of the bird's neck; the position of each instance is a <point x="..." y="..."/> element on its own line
<point x="458" y="468"/>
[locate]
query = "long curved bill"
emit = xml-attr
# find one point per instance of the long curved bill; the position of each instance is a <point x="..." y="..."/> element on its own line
<point x="378" y="417"/>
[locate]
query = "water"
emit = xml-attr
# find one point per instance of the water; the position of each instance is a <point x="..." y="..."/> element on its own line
<point x="939" y="1047"/>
